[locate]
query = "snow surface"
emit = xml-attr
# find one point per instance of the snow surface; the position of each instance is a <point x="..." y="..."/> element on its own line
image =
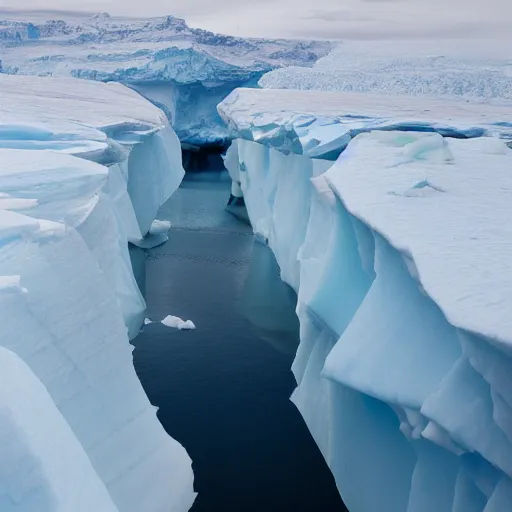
<point x="173" y="65"/>
<point x="400" y="251"/>
<point x="77" y="430"/>
<point x="321" y="124"/>
<point x="470" y="68"/>
<point x="177" y="323"/>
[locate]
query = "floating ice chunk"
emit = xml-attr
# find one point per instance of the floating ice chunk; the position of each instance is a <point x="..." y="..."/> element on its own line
<point x="159" y="227"/>
<point x="147" y="321"/>
<point x="177" y="323"/>
<point x="156" y="236"/>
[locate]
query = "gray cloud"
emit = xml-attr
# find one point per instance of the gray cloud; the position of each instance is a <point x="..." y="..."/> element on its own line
<point x="340" y="19"/>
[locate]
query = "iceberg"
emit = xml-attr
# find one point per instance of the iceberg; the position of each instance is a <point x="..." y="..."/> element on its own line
<point x="389" y="217"/>
<point x="70" y="152"/>
<point x="184" y="71"/>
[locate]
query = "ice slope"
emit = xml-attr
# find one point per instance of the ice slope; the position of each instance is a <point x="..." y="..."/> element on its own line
<point x="400" y="251"/>
<point x="104" y="123"/>
<point x="321" y="124"/>
<point x="471" y="68"/>
<point x="184" y="71"/>
<point x="69" y="299"/>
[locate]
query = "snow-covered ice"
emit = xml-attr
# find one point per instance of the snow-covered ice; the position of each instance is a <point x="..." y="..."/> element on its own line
<point x="73" y="409"/>
<point x="106" y="123"/>
<point x="399" y="247"/>
<point x="185" y="71"/>
<point x="177" y="323"/>
<point x="321" y="124"/>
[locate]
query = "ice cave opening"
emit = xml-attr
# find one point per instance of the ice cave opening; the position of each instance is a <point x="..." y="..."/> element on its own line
<point x="203" y="158"/>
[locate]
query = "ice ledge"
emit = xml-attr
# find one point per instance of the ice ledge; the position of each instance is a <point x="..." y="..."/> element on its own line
<point x="444" y="204"/>
<point x="320" y="124"/>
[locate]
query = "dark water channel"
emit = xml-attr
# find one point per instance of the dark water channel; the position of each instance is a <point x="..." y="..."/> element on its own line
<point x="223" y="390"/>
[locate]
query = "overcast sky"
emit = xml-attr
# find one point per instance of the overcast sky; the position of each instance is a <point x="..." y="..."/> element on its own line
<point x="313" y="18"/>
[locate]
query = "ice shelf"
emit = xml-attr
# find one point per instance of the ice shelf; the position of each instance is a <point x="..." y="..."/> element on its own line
<point x="400" y="249"/>
<point x="84" y="167"/>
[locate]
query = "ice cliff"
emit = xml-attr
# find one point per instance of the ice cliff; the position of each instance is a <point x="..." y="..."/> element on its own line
<point x="184" y="71"/>
<point x="391" y="220"/>
<point x="84" y="166"/>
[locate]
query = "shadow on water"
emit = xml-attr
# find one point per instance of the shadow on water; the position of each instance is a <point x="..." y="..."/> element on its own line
<point x="223" y="390"/>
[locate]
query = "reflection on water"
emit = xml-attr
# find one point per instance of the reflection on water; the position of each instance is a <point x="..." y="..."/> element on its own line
<point x="138" y="259"/>
<point x="223" y="390"/>
<point x="268" y="303"/>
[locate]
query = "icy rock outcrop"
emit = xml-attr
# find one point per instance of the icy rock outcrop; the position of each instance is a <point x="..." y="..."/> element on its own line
<point x="400" y="253"/>
<point x="69" y="300"/>
<point x="184" y="71"/>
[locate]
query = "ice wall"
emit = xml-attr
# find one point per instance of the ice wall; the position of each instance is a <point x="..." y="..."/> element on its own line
<point x="42" y="461"/>
<point x="400" y="253"/>
<point x="69" y="300"/>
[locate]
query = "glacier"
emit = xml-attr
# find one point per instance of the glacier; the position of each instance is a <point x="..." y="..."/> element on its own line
<point x="84" y="167"/>
<point x="389" y="216"/>
<point x="472" y="68"/>
<point x="184" y="71"/>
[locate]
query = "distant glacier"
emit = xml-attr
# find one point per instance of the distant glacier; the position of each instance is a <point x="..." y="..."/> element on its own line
<point x="184" y="71"/>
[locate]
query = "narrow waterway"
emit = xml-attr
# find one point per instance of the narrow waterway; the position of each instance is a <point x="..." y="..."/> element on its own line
<point x="223" y="390"/>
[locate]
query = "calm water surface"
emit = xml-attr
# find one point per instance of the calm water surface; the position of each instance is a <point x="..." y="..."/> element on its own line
<point x="223" y="390"/>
